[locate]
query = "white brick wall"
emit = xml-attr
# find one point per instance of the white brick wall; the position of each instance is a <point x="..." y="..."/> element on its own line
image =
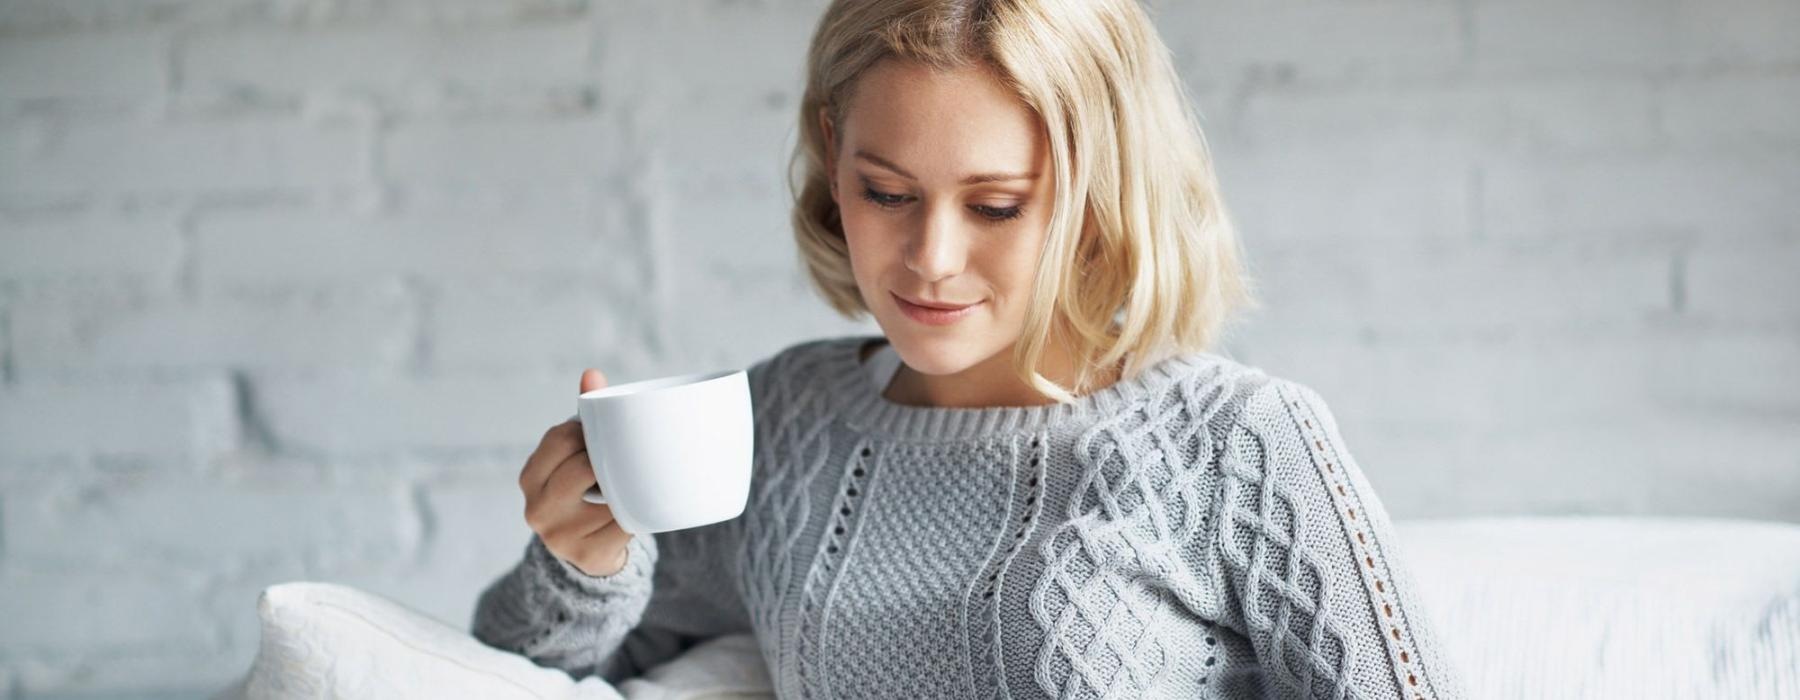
<point x="289" y="288"/>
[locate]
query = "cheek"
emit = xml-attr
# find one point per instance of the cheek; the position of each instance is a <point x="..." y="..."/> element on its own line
<point x="863" y="232"/>
<point x="1013" y="284"/>
<point x="1013" y="270"/>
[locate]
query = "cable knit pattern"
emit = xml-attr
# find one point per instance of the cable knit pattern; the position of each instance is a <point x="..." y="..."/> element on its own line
<point x="1198" y="530"/>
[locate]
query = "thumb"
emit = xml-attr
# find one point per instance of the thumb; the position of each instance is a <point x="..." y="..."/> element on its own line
<point x="592" y="379"/>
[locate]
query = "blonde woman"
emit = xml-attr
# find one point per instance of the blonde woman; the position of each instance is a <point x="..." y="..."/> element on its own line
<point x="1038" y="481"/>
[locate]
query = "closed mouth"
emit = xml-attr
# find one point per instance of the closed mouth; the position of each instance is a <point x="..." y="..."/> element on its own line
<point x="933" y="305"/>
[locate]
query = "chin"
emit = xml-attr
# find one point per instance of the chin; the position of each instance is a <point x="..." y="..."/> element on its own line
<point x="939" y="355"/>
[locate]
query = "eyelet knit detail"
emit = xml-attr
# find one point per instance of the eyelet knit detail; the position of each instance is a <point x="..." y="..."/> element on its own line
<point x="835" y="543"/>
<point x="1030" y="495"/>
<point x="1374" y="569"/>
<point x="986" y="642"/>
<point x="847" y="500"/>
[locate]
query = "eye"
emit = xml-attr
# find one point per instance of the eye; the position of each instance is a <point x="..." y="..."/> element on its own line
<point x="998" y="213"/>
<point x="893" y="201"/>
<point x="883" y="199"/>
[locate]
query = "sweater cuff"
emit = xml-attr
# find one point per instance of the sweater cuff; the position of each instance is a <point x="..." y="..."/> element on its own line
<point x="634" y="578"/>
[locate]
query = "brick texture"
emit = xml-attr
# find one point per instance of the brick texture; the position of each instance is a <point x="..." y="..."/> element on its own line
<point x="289" y="290"/>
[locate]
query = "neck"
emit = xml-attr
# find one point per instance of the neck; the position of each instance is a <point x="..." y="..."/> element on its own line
<point x="992" y="382"/>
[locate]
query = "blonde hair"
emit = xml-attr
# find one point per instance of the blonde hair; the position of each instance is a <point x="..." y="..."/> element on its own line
<point x="1148" y="265"/>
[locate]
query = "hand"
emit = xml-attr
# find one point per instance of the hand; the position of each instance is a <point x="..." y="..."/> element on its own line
<point x="555" y="475"/>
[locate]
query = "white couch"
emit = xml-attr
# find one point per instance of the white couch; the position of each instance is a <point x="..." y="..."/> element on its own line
<point x="1568" y="607"/>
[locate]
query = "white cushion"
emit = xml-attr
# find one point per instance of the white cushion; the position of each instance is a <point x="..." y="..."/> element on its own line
<point x="1607" y="607"/>
<point x="329" y="640"/>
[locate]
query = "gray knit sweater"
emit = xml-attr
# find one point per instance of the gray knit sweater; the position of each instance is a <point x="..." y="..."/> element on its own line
<point x="1198" y="530"/>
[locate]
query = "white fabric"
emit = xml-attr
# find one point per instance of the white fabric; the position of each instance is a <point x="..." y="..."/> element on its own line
<point x="326" y="640"/>
<point x="1528" y="607"/>
<point x="1602" y="607"/>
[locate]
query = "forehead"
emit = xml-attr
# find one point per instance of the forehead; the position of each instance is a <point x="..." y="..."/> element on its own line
<point x="942" y="121"/>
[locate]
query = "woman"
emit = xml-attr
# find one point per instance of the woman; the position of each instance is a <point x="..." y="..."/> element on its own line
<point x="1037" y="481"/>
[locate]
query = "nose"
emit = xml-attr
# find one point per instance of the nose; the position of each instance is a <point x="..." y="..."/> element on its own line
<point x="938" y="248"/>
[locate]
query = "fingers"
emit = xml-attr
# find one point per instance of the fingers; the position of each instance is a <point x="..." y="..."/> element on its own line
<point x="608" y="538"/>
<point x="559" y="442"/>
<point x="553" y="479"/>
<point x="570" y="479"/>
<point x="592" y="379"/>
<point x="559" y="512"/>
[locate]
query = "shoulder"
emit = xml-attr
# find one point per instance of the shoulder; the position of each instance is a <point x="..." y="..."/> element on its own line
<point x="1274" y="404"/>
<point x="794" y="364"/>
<point x="1236" y="400"/>
<point x="1278" y="433"/>
<point x="1196" y="401"/>
<point x="1223" y="390"/>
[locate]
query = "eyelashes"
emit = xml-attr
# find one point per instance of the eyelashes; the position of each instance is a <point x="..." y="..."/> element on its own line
<point x="882" y="198"/>
<point x="892" y="201"/>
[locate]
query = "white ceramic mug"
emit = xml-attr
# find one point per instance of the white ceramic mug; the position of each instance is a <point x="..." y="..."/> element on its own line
<point x="670" y="453"/>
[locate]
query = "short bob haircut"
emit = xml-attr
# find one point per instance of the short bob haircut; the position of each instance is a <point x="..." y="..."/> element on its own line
<point x="1148" y="265"/>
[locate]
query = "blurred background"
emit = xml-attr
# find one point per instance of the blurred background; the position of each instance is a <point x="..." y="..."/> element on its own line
<point x="290" y="289"/>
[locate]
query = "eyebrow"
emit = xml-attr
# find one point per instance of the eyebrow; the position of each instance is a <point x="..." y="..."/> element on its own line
<point x="970" y="180"/>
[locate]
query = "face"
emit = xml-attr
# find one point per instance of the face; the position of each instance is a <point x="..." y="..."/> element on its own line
<point x="942" y="184"/>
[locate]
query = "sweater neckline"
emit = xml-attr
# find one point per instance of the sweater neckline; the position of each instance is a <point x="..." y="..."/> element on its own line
<point x="864" y="406"/>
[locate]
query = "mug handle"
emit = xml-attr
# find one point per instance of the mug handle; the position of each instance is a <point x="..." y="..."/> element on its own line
<point x="592" y="495"/>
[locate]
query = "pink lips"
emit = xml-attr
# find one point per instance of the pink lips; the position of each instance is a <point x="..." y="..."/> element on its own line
<point x="933" y="316"/>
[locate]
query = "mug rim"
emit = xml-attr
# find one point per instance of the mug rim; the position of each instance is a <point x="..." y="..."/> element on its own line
<point x="656" y="383"/>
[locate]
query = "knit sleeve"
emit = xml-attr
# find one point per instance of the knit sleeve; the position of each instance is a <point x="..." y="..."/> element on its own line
<point x="1308" y="565"/>
<point x="559" y="616"/>
<point x="673" y="593"/>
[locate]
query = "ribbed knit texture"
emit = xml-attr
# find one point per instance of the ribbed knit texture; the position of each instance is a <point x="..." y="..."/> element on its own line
<point x="1198" y="530"/>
